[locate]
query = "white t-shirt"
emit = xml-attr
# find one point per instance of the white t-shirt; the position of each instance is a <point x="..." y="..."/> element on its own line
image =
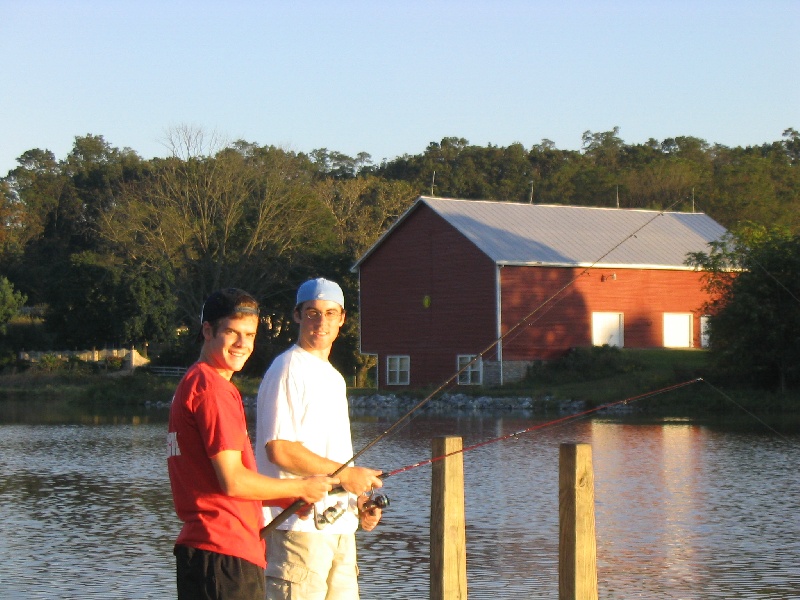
<point x="302" y="398"/>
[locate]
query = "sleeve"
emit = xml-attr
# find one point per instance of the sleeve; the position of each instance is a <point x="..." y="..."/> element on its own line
<point x="280" y="406"/>
<point x="217" y="421"/>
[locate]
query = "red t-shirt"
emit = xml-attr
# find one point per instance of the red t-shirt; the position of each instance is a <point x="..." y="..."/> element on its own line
<point x="206" y="418"/>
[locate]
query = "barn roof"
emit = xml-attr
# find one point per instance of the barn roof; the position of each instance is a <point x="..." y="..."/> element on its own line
<point x="556" y="235"/>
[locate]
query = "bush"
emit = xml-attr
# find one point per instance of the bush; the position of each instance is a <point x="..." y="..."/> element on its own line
<point x="584" y="364"/>
<point x="49" y="363"/>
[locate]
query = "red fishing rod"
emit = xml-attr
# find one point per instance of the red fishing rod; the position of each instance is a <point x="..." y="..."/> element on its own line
<point x="559" y="421"/>
<point x="382" y="501"/>
<point x="551" y="300"/>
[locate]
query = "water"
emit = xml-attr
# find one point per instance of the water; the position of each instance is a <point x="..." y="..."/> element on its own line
<point x="683" y="510"/>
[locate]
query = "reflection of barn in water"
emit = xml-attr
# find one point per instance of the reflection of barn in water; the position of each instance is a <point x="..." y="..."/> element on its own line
<point x="451" y="276"/>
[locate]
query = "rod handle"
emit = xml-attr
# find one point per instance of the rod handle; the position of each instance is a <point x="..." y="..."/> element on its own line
<point x="287" y="512"/>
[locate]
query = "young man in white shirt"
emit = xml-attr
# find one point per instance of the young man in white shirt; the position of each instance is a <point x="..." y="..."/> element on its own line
<point x="303" y="429"/>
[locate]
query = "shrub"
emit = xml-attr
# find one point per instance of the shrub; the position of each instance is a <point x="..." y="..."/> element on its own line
<point x="49" y="363"/>
<point x="584" y="364"/>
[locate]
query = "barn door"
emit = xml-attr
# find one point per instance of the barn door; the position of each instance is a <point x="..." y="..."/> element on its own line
<point x="677" y="330"/>
<point x="607" y="328"/>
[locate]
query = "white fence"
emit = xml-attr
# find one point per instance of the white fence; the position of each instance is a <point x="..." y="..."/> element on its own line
<point x="131" y="357"/>
<point x="168" y="371"/>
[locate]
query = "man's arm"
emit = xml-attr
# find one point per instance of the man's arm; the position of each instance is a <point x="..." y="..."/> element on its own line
<point x="240" y="482"/>
<point x="296" y="458"/>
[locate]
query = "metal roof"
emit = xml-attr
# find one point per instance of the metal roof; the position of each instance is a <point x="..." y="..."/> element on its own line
<point x="556" y="235"/>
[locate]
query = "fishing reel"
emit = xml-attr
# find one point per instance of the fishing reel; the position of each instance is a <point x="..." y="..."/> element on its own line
<point x="330" y="515"/>
<point x="333" y="513"/>
<point x="376" y="501"/>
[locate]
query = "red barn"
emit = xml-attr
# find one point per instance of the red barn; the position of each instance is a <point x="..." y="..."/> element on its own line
<point x="511" y="283"/>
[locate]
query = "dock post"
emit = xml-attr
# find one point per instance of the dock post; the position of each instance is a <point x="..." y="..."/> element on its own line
<point x="448" y="525"/>
<point x="577" y="549"/>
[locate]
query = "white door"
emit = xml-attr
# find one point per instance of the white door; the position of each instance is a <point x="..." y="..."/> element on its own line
<point x="607" y="328"/>
<point x="704" y="332"/>
<point x="677" y="330"/>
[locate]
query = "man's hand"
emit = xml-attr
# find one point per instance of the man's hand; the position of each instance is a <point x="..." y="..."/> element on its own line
<point x="359" y="480"/>
<point x="314" y="488"/>
<point x="369" y="518"/>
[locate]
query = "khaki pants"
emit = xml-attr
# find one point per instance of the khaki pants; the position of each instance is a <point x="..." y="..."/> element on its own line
<point x="311" y="566"/>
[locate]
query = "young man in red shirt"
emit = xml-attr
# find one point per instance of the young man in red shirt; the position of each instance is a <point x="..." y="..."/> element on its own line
<point x="217" y="491"/>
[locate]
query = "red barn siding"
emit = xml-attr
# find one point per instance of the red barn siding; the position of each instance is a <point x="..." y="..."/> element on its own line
<point x="643" y="296"/>
<point x="426" y="257"/>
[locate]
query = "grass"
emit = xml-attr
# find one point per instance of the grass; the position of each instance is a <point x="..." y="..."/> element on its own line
<point x="595" y="376"/>
<point x="115" y="388"/>
<point x="603" y="375"/>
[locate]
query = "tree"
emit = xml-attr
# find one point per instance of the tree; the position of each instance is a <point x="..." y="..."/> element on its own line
<point x="10" y="302"/>
<point x="362" y="208"/>
<point x="754" y="276"/>
<point x="230" y="216"/>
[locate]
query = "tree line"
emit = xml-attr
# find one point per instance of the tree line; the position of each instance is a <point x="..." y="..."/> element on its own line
<point x="112" y="248"/>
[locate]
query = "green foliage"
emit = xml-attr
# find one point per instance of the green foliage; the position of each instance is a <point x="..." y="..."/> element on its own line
<point x="49" y="363"/>
<point x="10" y="302"/>
<point x="755" y="317"/>
<point x="124" y="250"/>
<point x="27" y="333"/>
<point x="585" y="364"/>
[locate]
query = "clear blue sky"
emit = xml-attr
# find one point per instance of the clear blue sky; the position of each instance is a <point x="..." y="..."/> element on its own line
<point x="388" y="77"/>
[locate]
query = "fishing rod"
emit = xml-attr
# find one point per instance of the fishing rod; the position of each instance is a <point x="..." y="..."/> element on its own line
<point x="544" y="425"/>
<point x="382" y="501"/>
<point x="298" y="504"/>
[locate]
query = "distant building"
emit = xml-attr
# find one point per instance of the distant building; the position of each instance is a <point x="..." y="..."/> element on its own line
<point x="452" y="277"/>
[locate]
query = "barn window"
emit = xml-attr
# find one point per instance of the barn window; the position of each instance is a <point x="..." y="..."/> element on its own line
<point x="678" y="330"/>
<point x="398" y="370"/>
<point x="608" y="328"/>
<point x="470" y="369"/>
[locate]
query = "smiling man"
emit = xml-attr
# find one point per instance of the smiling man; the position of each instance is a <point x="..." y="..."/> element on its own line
<point x="216" y="489"/>
<point x="303" y="429"/>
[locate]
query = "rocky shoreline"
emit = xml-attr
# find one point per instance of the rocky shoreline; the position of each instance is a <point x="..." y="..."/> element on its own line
<point x="397" y="405"/>
<point x="394" y="404"/>
<point x="460" y="403"/>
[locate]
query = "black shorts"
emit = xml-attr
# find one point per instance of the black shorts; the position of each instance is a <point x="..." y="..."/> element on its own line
<point x="205" y="575"/>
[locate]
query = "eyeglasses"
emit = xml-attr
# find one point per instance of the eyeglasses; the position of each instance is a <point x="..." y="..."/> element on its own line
<point x="312" y="314"/>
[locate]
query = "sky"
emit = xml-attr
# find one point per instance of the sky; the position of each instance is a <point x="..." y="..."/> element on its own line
<point x="389" y="77"/>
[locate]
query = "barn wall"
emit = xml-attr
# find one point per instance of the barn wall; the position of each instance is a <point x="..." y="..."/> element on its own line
<point x="643" y="296"/>
<point x="428" y="293"/>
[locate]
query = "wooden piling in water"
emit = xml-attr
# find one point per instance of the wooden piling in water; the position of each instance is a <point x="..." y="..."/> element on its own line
<point x="577" y="549"/>
<point x="448" y="535"/>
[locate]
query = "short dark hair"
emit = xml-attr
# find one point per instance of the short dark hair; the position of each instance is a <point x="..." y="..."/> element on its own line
<point x="226" y="303"/>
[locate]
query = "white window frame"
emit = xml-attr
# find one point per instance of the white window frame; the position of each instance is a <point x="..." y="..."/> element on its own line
<point x="398" y="369"/>
<point x="471" y="375"/>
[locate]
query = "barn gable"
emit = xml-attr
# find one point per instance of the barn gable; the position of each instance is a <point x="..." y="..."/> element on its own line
<point x="574" y="236"/>
<point x="451" y="278"/>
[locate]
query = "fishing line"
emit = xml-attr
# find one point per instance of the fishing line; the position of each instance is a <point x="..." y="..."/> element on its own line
<point x="750" y="413"/>
<point x="547" y="424"/>
<point x="551" y="300"/>
<point x="772" y="276"/>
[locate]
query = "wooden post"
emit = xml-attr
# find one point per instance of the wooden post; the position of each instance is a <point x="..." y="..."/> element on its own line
<point x="577" y="549"/>
<point x="448" y="536"/>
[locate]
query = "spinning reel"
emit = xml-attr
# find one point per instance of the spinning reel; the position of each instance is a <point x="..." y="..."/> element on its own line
<point x="332" y="513"/>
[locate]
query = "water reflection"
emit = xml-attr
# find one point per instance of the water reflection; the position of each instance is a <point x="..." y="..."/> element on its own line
<point x="683" y="510"/>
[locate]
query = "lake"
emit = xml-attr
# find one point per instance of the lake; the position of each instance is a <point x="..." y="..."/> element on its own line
<point x="684" y="509"/>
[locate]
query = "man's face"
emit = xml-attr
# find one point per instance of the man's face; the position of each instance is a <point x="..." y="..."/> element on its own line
<point x="319" y="322"/>
<point x="229" y="348"/>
